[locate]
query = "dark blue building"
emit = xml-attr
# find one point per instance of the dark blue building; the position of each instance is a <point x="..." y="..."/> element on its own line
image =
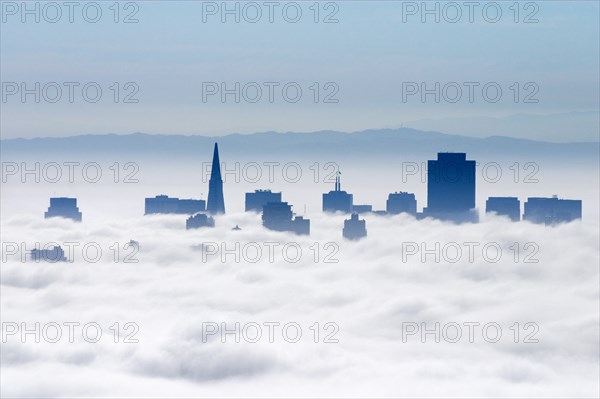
<point x="259" y="198"/>
<point x="63" y="207"/>
<point x="164" y="204"/>
<point x="53" y="254"/>
<point x="216" y="203"/>
<point x="551" y="210"/>
<point x="401" y="202"/>
<point x="337" y="200"/>
<point x="504" y="206"/>
<point x="354" y="228"/>
<point x="300" y="225"/>
<point x="451" y="188"/>
<point x="278" y="216"/>
<point x="199" y="220"/>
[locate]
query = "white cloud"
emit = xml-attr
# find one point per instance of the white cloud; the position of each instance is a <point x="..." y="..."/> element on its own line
<point x="370" y="293"/>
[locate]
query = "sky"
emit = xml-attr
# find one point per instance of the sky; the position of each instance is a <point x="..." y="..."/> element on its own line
<point x="367" y="62"/>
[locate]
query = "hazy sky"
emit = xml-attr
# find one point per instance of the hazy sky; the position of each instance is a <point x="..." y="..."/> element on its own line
<point x="373" y="55"/>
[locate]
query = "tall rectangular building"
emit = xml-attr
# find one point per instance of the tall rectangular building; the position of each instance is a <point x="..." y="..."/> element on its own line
<point x="337" y="200"/>
<point x="450" y="183"/>
<point x="277" y="216"/>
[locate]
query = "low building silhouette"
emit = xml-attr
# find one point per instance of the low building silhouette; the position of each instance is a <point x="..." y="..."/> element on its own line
<point x="551" y="210"/>
<point x="259" y="198"/>
<point x="63" y="207"/>
<point x="53" y="254"/>
<point x="163" y="204"/>
<point x="300" y="225"/>
<point x="199" y="220"/>
<point x="278" y="216"/>
<point x="337" y="200"/>
<point x="504" y="206"/>
<point x="401" y="202"/>
<point x="362" y="208"/>
<point x="354" y="228"/>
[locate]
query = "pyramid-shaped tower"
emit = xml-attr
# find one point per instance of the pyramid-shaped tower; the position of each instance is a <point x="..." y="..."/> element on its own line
<point x="216" y="204"/>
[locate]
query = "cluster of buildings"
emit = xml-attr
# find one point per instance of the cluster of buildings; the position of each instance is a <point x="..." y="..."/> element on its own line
<point x="52" y="254"/>
<point x="198" y="209"/>
<point x="451" y="192"/>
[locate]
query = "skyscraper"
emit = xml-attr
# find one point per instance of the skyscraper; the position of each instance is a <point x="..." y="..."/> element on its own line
<point x="337" y="200"/>
<point x="451" y="187"/>
<point x="216" y="204"/>
<point x="354" y="228"/>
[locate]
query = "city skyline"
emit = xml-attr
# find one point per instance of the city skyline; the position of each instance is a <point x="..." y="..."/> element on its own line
<point x="313" y="199"/>
<point x="451" y="193"/>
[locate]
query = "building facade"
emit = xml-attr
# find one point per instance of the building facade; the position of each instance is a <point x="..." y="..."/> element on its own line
<point x="337" y="200"/>
<point x="551" y="210"/>
<point x="354" y="228"/>
<point x="216" y="203"/>
<point x="401" y="202"/>
<point x="259" y="198"/>
<point x="65" y="208"/>
<point x="504" y="206"/>
<point x="162" y="204"/>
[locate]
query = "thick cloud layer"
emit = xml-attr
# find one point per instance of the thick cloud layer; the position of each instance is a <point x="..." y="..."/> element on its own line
<point x="378" y="290"/>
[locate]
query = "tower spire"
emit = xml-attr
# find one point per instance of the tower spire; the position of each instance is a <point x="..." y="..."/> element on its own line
<point x="216" y="204"/>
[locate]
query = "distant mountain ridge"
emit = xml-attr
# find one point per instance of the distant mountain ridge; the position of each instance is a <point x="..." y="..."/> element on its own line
<point x="369" y="143"/>
<point x="556" y="128"/>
